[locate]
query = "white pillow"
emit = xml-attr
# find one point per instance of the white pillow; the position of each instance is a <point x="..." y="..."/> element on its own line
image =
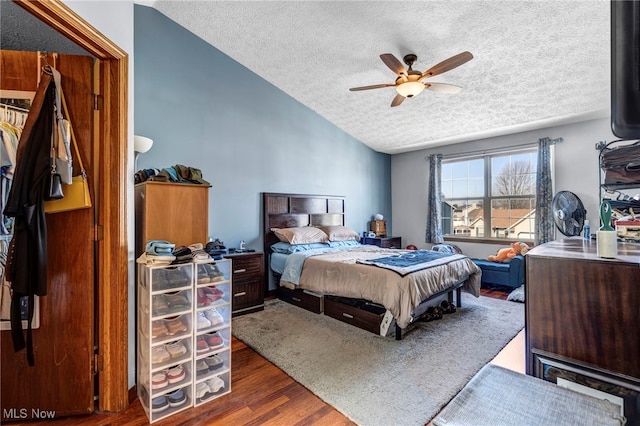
<point x="340" y="233"/>
<point x="301" y="235"/>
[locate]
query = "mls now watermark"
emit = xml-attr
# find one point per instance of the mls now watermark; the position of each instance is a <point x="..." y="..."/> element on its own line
<point x="23" y="413"/>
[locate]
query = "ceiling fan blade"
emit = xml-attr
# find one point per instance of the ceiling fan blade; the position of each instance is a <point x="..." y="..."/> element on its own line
<point x="393" y="63"/>
<point x="443" y="87"/>
<point x="397" y="100"/>
<point x="375" y="86"/>
<point x="448" y="64"/>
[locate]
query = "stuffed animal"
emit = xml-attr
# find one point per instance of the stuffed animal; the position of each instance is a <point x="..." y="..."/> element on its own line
<point x="504" y="255"/>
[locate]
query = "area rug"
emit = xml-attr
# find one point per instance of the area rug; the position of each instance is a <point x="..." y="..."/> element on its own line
<point x="377" y="380"/>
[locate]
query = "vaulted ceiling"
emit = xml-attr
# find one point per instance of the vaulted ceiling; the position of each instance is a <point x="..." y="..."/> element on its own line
<point x="536" y="63"/>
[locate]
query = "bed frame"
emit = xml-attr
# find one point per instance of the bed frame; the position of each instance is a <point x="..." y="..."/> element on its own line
<point x="292" y="210"/>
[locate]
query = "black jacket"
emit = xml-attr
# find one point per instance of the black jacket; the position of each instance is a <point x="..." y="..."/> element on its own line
<point x="27" y="258"/>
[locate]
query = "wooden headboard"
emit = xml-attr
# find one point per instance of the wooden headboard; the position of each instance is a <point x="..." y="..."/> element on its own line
<point x="291" y="210"/>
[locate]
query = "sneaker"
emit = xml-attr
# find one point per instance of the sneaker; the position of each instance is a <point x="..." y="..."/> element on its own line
<point x="214" y="317"/>
<point x="203" y="322"/>
<point x="159" y="380"/>
<point x="159" y="404"/>
<point x="177" y="398"/>
<point x="212" y="293"/>
<point x="214" y="272"/>
<point x="159" y="355"/>
<point x="203" y="274"/>
<point x="202" y="391"/>
<point x="202" y="369"/>
<point x="178" y="302"/>
<point x="198" y="254"/>
<point x="175" y="326"/>
<point x="175" y="374"/>
<point x="159" y="305"/>
<point x="177" y="277"/>
<point x="201" y="345"/>
<point x="214" y="340"/>
<point x="158" y="329"/>
<point x="214" y="362"/>
<point x="203" y="300"/>
<point x="175" y="349"/>
<point x="215" y="384"/>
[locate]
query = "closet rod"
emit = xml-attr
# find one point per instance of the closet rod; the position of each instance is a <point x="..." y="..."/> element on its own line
<point x="14" y="107"/>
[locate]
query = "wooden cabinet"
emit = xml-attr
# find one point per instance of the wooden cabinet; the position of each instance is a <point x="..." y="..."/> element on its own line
<point x="175" y="212"/>
<point x="582" y="316"/>
<point x="248" y="287"/>
<point x="384" y="242"/>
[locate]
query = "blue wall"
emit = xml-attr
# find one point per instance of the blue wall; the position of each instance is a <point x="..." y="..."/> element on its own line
<point x="204" y="110"/>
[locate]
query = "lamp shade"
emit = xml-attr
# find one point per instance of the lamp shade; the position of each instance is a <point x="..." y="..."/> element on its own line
<point x="141" y="144"/>
<point x="410" y="88"/>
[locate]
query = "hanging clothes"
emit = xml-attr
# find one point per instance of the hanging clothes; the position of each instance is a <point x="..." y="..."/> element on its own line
<point x="26" y="267"/>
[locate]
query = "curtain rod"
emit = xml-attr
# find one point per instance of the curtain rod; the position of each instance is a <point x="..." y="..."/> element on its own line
<point x="493" y="150"/>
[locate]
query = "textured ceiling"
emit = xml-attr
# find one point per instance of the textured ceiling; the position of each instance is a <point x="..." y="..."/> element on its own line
<point x="536" y="64"/>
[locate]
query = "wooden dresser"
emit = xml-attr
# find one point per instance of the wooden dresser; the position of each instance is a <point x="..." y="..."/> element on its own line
<point x="175" y="212"/>
<point x="248" y="284"/>
<point x="582" y="319"/>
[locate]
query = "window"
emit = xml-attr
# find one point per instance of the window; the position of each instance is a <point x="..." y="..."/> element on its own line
<point x="490" y="196"/>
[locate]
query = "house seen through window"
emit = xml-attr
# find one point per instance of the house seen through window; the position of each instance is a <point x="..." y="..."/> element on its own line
<point x="490" y="196"/>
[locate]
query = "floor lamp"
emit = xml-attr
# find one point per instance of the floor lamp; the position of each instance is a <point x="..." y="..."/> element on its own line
<point x="141" y="145"/>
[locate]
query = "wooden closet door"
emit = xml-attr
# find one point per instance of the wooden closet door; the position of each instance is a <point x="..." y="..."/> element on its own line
<point x="62" y="380"/>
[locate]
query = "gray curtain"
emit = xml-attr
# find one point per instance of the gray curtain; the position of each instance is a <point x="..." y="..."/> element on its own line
<point x="434" y="215"/>
<point x="545" y="228"/>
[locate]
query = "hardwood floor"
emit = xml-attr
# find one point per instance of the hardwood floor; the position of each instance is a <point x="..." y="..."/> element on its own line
<point x="262" y="394"/>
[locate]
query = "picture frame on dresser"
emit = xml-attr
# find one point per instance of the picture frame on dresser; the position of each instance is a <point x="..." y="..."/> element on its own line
<point x="580" y="377"/>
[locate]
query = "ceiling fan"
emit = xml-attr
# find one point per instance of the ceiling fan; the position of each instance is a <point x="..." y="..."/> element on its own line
<point x="410" y="82"/>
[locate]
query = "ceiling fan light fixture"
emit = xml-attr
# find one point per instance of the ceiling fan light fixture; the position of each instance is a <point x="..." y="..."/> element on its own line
<point x="410" y="89"/>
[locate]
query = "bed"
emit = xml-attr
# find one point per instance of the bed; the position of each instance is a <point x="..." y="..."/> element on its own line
<point x="377" y="289"/>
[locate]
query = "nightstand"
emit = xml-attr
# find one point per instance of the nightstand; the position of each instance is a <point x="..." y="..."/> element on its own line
<point x="384" y="242"/>
<point x="247" y="272"/>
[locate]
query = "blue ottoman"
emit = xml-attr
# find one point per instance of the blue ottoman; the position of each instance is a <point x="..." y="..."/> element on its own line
<point x="509" y="274"/>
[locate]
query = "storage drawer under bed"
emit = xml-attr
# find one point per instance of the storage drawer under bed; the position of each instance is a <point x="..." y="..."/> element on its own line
<point x="368" y="318"/>
<point x="304" y="299"/>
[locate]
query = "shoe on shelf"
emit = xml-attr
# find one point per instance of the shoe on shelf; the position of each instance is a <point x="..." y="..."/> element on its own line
<point x="175" y="326"/>
<point x="214" y="272"/>
<point x="159" y="304"/>
<point x="159" y="380"/>
<point x="212" y="293"/>
<point x="202" y="391"/>
<point x="158" y="329"/>
<point x="203" y="322"/>
<point x="159" y="404"/>
<point x="175" y="349"/>
<point x="214" y="316"/>
<point x="177" y="277"/>
<point x="203" y="300"/>
<point x="203" y="274"/>
<point x="198" y="254"/>
<point x="159" y="355"/>
<point x="214" y="340"/>
<point x="178" y="302"/>
<point x="202" y="369"/>
<point x="201" y="345"/>
<point x="214" y="362"/>
<point x="177" y="398"/>
<point x="215" y="383"/>
<point x="176" y="374"/>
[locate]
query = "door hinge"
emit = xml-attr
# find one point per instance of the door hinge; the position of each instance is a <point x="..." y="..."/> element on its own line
<point x="98" y="363"/>
<point x="98" y="101"/>
<point x="98" y="233"/>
